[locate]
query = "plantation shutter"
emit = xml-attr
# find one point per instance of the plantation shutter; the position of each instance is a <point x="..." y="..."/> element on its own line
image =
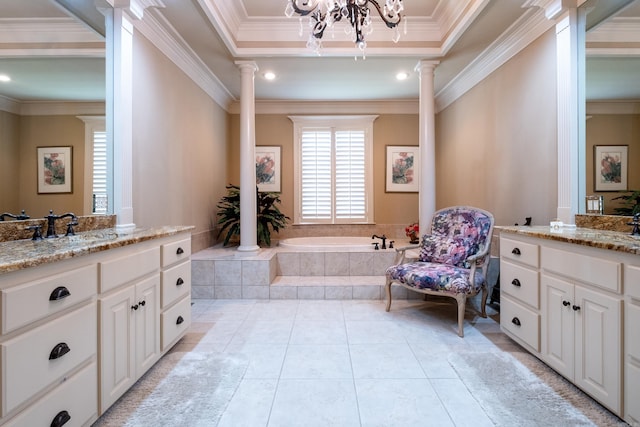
<point x="100" y="197"/>
<point x="316" y="171"/>
<point x="350" y="195"/>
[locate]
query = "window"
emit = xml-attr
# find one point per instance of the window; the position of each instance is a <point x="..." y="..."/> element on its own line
<point x="333" y="169"/>
<point x="97" y="154"/>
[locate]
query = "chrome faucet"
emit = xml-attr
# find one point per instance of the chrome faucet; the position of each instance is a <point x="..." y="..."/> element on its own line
<point x="383" y="238"/>
<point x="636" y="225"/>
<point x="21" y="216"/>
<point x="51" y="223"/>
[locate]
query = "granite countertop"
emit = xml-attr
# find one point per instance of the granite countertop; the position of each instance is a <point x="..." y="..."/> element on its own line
<point x="603" y="239"/>
<point x="20" y="254"/>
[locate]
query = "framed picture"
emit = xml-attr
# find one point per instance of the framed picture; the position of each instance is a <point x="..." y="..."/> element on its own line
<point x="268" y="168"/>
<point x="610" y="167"/>
<point x="54" y="169"/>
<point x="403" y="169"/>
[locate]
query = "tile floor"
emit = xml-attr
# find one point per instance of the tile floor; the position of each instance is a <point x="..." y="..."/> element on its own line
<point x="344" y="363"/>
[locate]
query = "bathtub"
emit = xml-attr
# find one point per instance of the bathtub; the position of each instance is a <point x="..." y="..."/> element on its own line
<point x="329" y="244"/>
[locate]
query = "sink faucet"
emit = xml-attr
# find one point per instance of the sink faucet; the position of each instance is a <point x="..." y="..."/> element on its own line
<point x="19" y="216"/>
<point x="636" y="225"/>
<point x="383" y="238"/>
<point x="51" y="223"/>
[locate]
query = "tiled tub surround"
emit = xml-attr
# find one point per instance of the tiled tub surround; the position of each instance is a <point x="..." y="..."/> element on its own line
<point x="16" y="230"/>
<point x="276" y="273"/>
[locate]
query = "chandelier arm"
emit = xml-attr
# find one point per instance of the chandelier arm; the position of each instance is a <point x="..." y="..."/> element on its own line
<point x="390" y="21"/>
<point x="300" y="11"/>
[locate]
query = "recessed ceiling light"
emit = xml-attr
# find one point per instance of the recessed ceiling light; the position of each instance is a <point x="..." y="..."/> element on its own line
<point x="4" y="78"/>
<point x="269" y="75"/>
<point x="402" y="75"/>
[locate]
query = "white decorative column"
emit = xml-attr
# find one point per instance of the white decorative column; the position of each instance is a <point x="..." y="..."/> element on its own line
<point x="427" y="141"/>
<point x="570" y="77"/>
<point x="119" y="101"/>
<point x="119" y="106"/>
<point x="248" y="203"/>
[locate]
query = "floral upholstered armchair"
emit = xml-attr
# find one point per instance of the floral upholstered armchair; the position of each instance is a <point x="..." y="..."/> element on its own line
<point x="453" y="259"/>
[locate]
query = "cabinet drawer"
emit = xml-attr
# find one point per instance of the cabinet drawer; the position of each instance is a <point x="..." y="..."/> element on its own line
<point x="520" y="321"/>
<point x="521" y="283"/>
<point x="599" y="272"/>
<point x="119" y="271"/>
<point x="176" y="251"/>
<point x="46" y="296"/>
<point x="632" y="281"/>
<point x="175" y="321"/>
<point x="26" y="363"/>
<point x="526" y="253"/>
<point x="78" y="396"/>
<point x="176" y="282"/>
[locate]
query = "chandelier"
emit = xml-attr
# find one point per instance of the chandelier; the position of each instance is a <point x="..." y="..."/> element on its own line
<point x="324" y="13"/>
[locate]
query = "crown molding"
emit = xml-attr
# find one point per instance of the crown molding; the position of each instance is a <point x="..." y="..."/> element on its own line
<point x="45" y="30"/>
<point x="616" y="30"/>
<point x="613" y="107"/>
<point x="49" y="108"/>
<point x="400" y="106"/>
<point x="9" y="105"/>
<point x="531" y="25"/>
<point x="162" y="35"/>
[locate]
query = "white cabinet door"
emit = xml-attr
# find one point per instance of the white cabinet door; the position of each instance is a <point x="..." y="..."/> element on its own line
<point x="117" y="345"/>
<point x="558" y="325"/>
<point x="147" y="324"/>
<point x="598" y="324"/>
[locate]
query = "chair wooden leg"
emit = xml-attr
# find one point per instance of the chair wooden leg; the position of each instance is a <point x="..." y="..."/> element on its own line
<point x="387" y="288"/>
<point x="483" y="303"/>
<point x="462" y="300"/>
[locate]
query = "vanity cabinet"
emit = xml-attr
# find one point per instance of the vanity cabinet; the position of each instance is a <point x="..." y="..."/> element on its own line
<point x="632" y="344"/>
<point x="76" y="333"/>
<point x="576" y="292"/>
<point x="48" y="345"/>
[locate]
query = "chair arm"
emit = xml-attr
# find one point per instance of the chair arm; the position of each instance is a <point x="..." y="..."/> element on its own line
<point x="401" y="252"/>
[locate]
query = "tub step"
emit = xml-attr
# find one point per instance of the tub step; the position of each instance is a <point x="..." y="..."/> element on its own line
<point x="332" y="287"/>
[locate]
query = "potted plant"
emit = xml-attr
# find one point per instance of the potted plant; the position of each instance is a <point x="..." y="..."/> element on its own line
<point x="269" y="217"/>
<point x="630" y="202"/>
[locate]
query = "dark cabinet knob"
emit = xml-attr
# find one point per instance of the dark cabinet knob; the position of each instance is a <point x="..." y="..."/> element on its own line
<point x="134" y="307"/>
<point x="60" y="419"/>
<point x="516" y="321"/>
<point x="59" y="293"/>
<point x="566" y="303"/>
<point x="575" y="307"/>
<point x="516" y="251"/>
<point x="142" y="303"/>
<point x="516" y="282"/>
<point x="59" y="350"/>
<point x="179" y="281"/>
<point x="179" y="320"/>
<point x="180" y="251"/>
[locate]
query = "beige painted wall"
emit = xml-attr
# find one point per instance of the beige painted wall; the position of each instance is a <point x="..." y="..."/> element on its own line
<point x="180" y="147"/>
<point x="9" y="162"/>
<point x="496" y="145"/>
<point x="613" y="129"/>
<point x="388" y="129"/>
<point x="50" y="131"/>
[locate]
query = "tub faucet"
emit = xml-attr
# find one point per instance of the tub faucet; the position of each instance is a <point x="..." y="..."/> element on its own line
<point x="51" y="223"/>
<point x="383" y="238"/>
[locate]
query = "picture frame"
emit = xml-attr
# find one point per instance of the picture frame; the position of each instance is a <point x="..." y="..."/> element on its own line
<point x="268" y="168"/>
<point x="55" y="169"/>
<point x="403" y="169"/>
<point x="610" y="164"/>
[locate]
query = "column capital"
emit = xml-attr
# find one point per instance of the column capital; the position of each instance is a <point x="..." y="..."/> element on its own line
<point x="247" y="65"/>
<point x="135" y="8"/>
<point x="426" y="65"/>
